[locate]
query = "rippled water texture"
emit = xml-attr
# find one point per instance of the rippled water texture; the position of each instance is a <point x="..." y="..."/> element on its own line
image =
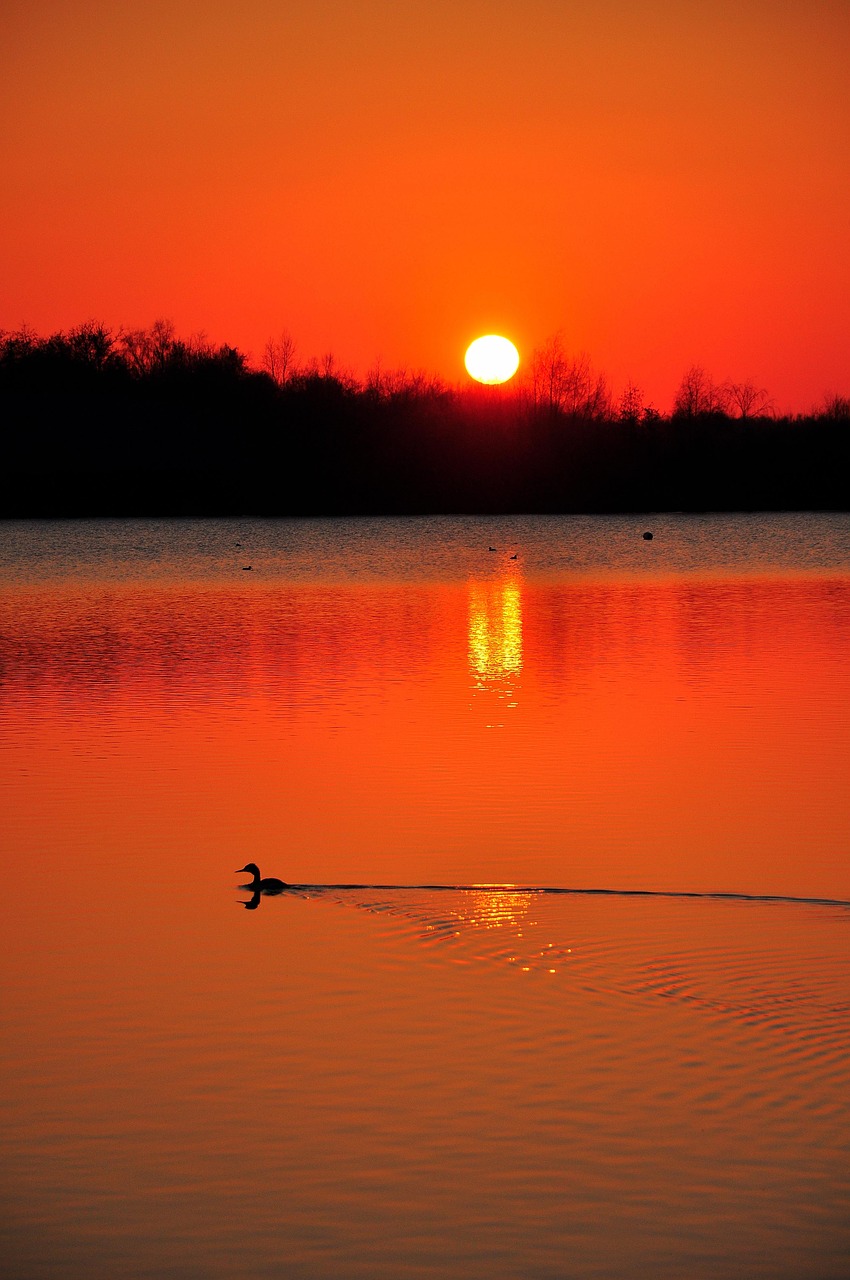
<point x="420" y="1060"/>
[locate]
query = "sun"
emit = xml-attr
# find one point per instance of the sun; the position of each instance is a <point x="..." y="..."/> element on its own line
<point x="491" y="359"/>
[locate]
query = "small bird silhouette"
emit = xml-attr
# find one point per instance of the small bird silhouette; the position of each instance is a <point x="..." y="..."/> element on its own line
<point x="247" y="567"/>
<point x="491" y="548"/>
<point x="270" y="885"/>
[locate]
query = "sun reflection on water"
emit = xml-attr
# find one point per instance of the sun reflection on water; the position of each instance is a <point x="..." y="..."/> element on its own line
<point x="508" y="916"/>
<point x="495" y="906"/>
<point x="495" y="637"/>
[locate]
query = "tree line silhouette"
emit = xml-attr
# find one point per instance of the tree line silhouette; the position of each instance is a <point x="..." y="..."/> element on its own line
<point x="142" y="422"/>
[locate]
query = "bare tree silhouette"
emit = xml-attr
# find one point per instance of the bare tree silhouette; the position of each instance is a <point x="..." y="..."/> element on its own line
<point x="564" y="384"/>
<point x="402" y="384"/>
<point x="146" y="350"/>
<point x="631" y="406"/>
<point x="92" y="344"/>
<point x="279" y="357"/>
<point x="749" y="400"/>
<point x="698" y="394"/>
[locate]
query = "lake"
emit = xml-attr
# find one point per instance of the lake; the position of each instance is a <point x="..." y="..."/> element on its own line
<point x="561" y="987"/>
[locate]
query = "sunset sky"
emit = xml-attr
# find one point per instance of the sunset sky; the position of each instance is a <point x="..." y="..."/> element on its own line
<point x="665" y="182"/>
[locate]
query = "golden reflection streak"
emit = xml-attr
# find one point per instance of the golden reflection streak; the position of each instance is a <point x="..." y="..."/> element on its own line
<point x="491" y="910"/>
<point x="495" y="630"/>
<point x="510" y="909"/>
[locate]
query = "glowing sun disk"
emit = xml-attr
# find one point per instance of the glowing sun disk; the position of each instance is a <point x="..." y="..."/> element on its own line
<point x="491" y="359"/>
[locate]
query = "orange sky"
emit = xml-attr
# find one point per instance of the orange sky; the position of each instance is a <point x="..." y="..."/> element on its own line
<point x="667" y="184"/>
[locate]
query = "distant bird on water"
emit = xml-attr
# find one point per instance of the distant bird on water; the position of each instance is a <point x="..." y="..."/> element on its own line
<point x="270" y="885"/>
<point x="647" y="537"/>
<point x="514" y="556"/>
<point x="246" y="567"/>
<point x="491" y="548"/>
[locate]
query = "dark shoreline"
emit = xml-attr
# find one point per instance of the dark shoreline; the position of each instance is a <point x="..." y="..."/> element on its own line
<point x="88" y="430"/>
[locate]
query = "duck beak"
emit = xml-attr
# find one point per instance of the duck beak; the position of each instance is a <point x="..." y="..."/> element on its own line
<point x="239" y="870"/>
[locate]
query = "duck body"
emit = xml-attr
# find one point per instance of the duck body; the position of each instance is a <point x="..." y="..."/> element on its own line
<point x="258" y="885"/>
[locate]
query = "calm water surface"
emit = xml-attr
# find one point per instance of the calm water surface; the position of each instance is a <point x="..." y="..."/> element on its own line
<point x="421" y="1075"/>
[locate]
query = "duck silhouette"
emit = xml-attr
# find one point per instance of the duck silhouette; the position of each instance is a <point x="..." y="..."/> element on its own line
<point x="257" y="886"/>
